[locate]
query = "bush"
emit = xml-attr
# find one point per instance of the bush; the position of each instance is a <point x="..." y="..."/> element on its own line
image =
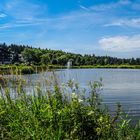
<point x="27" y="70"/>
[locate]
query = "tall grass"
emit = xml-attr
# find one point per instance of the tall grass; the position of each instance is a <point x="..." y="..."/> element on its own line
<point x="61" y="112"/>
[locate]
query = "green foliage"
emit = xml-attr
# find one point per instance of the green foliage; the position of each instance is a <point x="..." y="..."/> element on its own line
<point x="26" y="70"/>
<point x="20" y="53"/>
<point x="45" y="59"/>
<point x="55" y="114"/>
<point x="32" y="56"/>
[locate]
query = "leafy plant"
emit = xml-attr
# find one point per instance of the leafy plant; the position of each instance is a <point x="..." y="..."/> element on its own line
<point x="61" y="114"/>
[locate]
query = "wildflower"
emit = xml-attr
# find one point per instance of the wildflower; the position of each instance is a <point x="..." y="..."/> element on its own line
<point x="74" y="95"/>
<point x="79" y="100"/>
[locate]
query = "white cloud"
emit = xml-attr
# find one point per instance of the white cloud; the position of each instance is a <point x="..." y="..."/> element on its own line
<point x="28" y="13"/>
<point x="15" y="25"/>
<point x="22" y="9"/>
<point x="24" y="13"/>
<point x="74" y="21"/>
<point x="120" y="43"/>
<point x="2" y="15"/>
<point x="135" y="22"/>
<point x="133" y="5"/>
<point x="84" y="8"/>
<point x="107" y="6"/>
<point x="111" y="5"/>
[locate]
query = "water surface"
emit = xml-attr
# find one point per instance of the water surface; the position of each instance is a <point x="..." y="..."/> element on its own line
<point x="119" y="85"/>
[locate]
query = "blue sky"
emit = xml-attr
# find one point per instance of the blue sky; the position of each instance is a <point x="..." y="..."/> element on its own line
<point x="102" y="27"/>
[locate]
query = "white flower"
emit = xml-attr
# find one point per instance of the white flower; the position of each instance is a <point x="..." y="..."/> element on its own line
<point x="79" y="100"/>
<point x="74" y="95"/>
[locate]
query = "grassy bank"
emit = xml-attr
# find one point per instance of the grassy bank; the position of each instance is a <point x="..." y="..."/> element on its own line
<point x="111" y="66"/>
<point x="57" y="115"/>
<point x="22" y="69"/>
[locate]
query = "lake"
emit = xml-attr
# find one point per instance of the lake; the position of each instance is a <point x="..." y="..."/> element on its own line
<point x="119" y="85"/>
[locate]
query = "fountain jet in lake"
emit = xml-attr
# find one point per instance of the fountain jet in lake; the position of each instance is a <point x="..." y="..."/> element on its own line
<point x="69" y="64"/>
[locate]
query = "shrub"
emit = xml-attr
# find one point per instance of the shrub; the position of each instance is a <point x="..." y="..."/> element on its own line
<point x="27" y="70"/>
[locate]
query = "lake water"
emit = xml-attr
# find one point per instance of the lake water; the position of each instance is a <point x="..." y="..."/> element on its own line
<point x="119" y="85"/>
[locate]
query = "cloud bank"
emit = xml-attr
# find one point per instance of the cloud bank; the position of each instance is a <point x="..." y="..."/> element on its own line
<point x="134" y="22"/>
<point x="120" y="43"/>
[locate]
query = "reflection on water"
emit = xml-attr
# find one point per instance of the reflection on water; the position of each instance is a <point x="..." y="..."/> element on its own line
<point x="120" y="85"/>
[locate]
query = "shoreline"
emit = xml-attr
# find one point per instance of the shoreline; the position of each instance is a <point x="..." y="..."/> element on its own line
<point x="24" y="69"/>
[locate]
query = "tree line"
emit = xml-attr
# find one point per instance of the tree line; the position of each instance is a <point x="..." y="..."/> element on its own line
<point x="30" y="55"/>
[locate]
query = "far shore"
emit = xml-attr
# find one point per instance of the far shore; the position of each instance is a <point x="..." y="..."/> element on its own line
<point x="29" y="69"/>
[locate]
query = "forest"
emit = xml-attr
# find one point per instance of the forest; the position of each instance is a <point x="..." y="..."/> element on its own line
<point x="17" y="54"/>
